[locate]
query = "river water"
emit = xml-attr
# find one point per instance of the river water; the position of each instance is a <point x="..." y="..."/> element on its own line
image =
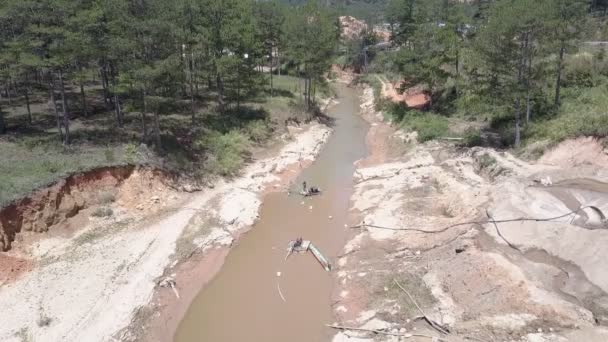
<point x="242" y="303"/>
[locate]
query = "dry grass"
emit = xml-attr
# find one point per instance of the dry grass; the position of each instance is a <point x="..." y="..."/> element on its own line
<point x="106" y="197"/>
<point x="102" y="212"/>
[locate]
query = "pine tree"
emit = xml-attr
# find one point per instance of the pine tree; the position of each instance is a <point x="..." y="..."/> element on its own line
<point x="270" y="21"/>
<point x="566" y="21"/>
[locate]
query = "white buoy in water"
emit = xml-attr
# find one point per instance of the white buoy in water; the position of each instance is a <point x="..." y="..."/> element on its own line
<point x="278" y="274"/>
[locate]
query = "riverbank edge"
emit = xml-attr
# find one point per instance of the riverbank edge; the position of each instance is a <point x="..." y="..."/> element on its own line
<point x="160" y="319"/>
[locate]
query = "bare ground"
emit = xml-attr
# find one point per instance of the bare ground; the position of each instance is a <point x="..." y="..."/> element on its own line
<point x="540" y="281"/>
<point x="93" y="276"/>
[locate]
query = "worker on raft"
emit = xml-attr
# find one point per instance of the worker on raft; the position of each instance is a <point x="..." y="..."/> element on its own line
<point x="298" y="243"/>
<point x="304" y="187"/>
<point x="313" y="190"/>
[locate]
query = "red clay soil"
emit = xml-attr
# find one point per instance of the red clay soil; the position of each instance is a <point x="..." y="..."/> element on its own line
<point x="417" y="100"/>
<point x="56" y="203"/>
<point x="60" y="201"/>
<point x="12" y="267"/>
<point x="413" y="97"/>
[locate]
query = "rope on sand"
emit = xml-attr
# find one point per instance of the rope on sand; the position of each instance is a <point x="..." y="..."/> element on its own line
<point x="521" y="219"/>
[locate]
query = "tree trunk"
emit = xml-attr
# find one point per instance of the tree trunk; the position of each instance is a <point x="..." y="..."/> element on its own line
<point x="66" y="118"/>
<point x="84" y="97"/>
<point x="305" y="94"/>
<point x="302" y="93"/>
<point x="220" y="92"/>
<point x="457" y="72"/>
<point x="27" y="104"/>
<point x="119" y="120"/>
<point x="14" y="85"/>
<point x="558" y="82"/>
<point x="85" y="109"/>
<point x="517" y="123"/>
<point x="278" y="62"/>
<point x="528" y="104"/>
<point x="192" y="109"/>
<point x="520" y="70"/>
<point x="104" y="84"/>
<point x="238" y="87"/>
<point x="271" y="64"/>
<point x="144" y="129"/>
<point x="54" y="104"/>
<point x="2" y="124"/>
<point x="157" y="131"/>
<point x="309" y="93"/>
<point x="8" y="94"/>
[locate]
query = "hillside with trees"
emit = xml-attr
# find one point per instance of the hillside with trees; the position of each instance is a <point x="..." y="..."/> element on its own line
<point x="191" y="85"/>
<point x="528" y="70"/>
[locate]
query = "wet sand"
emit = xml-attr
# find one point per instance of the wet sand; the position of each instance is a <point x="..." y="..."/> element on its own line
<point x="242" y="302"/>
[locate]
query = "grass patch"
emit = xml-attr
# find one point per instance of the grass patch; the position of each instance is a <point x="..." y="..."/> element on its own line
<point x="287" y="83"/>
<point x="584" y="112"/>
<point x="33" y="157"/>
<point x="34" y="162"/>
<point x="429" y="126"/>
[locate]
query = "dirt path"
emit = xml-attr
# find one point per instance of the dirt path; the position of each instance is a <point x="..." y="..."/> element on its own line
<point x="88" y="286"/>
<point x="467" y="278"/>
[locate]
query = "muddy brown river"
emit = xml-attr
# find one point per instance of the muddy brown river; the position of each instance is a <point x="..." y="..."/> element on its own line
<point x="242" y="303"/>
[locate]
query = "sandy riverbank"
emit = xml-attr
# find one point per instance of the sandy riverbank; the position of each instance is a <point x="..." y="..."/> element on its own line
<point x="92" y="284"/>
<point x="550" y="287"/>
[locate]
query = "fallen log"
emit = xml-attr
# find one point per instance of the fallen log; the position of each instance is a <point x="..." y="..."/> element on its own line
<point x="381" y="332"/>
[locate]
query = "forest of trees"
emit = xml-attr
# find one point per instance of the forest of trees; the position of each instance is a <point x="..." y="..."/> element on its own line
<point x="151" y="56"/>
<point x="504" y="57"/>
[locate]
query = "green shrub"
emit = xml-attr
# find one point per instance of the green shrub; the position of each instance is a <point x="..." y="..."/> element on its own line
<point x="472" y="137"/>
<point x="485" y="161"/>
<point x="258" y="130"/>
<point x="226" y="152"/>
<point x="131" y="153"/>
<point x="397" y="111"/>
